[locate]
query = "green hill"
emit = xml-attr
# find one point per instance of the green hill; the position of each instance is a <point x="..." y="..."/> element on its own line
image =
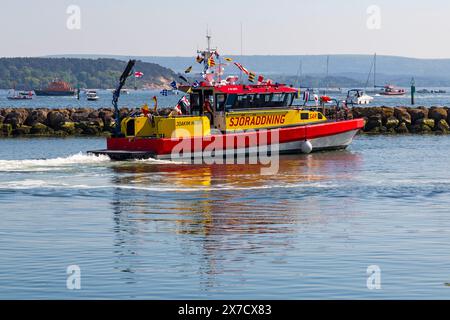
<point x="32" y="73"/>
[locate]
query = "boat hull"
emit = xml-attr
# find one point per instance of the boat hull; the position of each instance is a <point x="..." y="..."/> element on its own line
<point x="44" y="93"/>
<point x="392" y="94"/>
<point x="323" y="136"/>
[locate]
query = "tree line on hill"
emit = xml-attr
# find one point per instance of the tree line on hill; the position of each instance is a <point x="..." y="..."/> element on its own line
<point x="34" y="73"/>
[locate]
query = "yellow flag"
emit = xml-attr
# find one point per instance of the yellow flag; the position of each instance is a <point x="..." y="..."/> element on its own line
<point x="211" y="62"/>
<point x="229" y="59"/>
<point x="145" y="109"/>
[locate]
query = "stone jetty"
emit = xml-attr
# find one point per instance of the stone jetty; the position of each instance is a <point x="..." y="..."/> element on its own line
<point x="61" y="122"/>
<point x="16" y="122"/>
<point x="404" y="120"/>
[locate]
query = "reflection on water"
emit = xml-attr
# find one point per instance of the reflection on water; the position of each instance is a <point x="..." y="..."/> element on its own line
<point x="231" y="203"/>
<point x="156" y="229"/>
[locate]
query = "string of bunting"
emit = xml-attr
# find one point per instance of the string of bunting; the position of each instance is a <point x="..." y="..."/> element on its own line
<point x="211" y="62"/>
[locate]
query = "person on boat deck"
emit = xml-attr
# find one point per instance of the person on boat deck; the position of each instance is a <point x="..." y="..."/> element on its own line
<point x="207" y="110"/>
<point x="207" y="105"/>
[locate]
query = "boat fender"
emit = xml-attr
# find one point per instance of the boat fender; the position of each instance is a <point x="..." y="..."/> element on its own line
<point x="306" y="147"/>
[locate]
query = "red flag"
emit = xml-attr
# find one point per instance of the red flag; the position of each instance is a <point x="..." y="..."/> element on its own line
<point x="138" y="74"/>
<point x="260" y="79"/>
<point x="177" y="109"/>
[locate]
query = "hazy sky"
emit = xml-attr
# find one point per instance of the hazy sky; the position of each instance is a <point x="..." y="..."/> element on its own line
<point x="413" y="28"/>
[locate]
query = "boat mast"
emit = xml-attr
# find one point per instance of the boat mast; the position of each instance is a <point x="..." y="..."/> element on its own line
<point x="299" y="73"/>
<point x="328" y="72"/>
<point x="375" y="71"/>
<point x="326" y="78"/>
<point x="208" y="53"/>
<point x="208" y="39"/>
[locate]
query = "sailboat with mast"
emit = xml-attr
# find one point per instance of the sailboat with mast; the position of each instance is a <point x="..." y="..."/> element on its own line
<point x="386" y="90"/>
<point x="360" y="96"/>
<point x="329" y="89"/>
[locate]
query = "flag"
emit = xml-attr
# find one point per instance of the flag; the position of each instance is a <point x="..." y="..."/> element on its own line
<point x="188" y="70"/>
<point x="145" y="109"/>
<point x="164" y="92"/>
<point x="306" y="96"/>
<point x="217" y="54"/>
<point x="260" y="79"/>
<point x="177" y="109"/>
<point x="251" y="77"/>
<point x="211" y="62"/>
<point x="183" y="105"/>
<point x="316" y="99"/>
<point x="196" y="84"/>
<point x="184" y="79"/>
<point x="228" y="59"/>
<point x="189" y="91"/>
<point x="200" y="59"/>
<point x="173" y="84"/>
<point x="155" y="101"/>
<point x="241" y="67"/>
<point x="138" y="74"/>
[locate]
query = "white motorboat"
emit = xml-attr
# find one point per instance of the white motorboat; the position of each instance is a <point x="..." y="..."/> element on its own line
<point x="92" y="95"/>
<point x="358" y="96"/>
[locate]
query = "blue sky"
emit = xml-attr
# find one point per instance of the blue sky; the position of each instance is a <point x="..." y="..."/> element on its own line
<point x="176" y="28"/>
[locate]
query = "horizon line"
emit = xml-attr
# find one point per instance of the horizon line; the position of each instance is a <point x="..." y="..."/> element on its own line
<point x="62" y="55"/>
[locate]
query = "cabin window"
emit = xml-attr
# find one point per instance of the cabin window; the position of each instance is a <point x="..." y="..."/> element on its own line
<point x="221" y="100"/>
<point x="282" y="99"/>
<point x="195" y="103"/>
<point x="231" y="102"/>
<point x="261" y="100"/>
<point x="241" y="102"/>
<point x="277" y="97"/>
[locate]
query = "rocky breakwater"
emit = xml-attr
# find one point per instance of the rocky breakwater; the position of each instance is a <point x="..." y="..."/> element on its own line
<point x="16" y="122"/>
<point x="404" y="120"/>
<point x="56" y="122"/>
<point x="95" y="122"/>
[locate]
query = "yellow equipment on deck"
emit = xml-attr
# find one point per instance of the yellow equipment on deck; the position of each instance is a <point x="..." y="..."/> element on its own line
<point x="166" y="127"/>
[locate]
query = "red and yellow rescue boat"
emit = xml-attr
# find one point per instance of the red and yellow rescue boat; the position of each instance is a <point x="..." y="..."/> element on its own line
<point x="222" y="118"/>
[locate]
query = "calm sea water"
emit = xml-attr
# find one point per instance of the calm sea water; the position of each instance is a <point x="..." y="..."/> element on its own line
<point x="140" y="97"/>
<point x="155" y="229"/>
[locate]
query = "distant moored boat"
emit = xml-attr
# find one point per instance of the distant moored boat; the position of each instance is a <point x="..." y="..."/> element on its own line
<point x="56" y="88"/>
<point x="390" y="90"/>
<point x="358" y="96"/>
<point x="19" y="95"/>
<point x="92" y="95"/>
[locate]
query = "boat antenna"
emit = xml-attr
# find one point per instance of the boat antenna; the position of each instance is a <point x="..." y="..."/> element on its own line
<point x="123" y="78"/>
<point x="208" y="38"/>
<point x="242" y="49"/>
